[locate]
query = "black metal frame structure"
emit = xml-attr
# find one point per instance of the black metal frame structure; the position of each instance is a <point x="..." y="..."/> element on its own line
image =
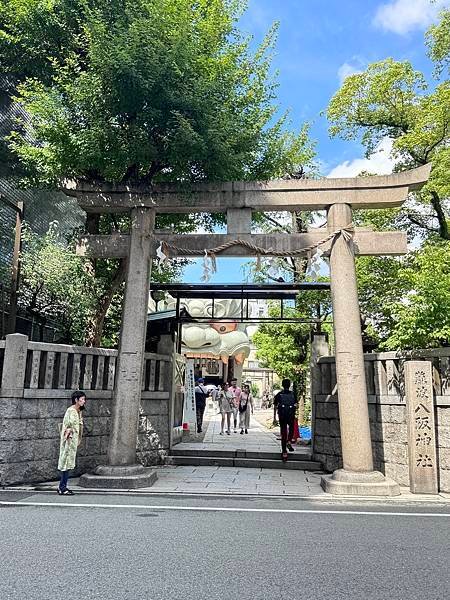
<point x="244" y="292"/>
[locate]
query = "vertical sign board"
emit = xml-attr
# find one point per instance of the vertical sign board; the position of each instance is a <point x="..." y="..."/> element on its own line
<point x="421" y="430"/>
<point x="189" y="396"/>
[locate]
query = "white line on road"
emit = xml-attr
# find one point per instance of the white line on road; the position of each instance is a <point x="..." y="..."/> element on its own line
<point x="227" y="509"/>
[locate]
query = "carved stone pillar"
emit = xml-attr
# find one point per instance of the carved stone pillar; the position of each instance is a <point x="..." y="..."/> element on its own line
<point x="122" y="469"/>
<point x="357" y="476"/>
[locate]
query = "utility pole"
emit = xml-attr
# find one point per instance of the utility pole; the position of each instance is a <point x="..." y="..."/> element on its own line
<point x="15" y="264"/>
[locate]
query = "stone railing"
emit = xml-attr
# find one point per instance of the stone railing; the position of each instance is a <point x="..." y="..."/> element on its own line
<point x="384" y="373"/>
<point x="387" y="411"/>
<point x="37" y="380"/>
<point x="64" y="367"/>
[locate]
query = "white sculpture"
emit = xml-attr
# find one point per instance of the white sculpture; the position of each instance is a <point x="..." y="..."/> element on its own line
<point x="214" y="338"/>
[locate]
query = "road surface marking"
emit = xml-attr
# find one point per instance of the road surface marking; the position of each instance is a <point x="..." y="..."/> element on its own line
<point x="227" y="509"/>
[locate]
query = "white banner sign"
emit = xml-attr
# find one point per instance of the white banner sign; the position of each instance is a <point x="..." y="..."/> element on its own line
<point x="189" y="396"/>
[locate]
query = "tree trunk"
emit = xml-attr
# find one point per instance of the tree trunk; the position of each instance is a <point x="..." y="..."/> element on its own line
<point x="299" y="225"/>
<point x="95" y="325"/>
<point x="441" y="217"/>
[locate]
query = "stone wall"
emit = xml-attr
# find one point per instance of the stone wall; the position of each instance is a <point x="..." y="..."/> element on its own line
<point x="37" y="381"/>
<point x="387" y="412"/>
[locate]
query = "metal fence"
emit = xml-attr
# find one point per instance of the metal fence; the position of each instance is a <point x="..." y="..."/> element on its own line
<point x="38" y="329"/>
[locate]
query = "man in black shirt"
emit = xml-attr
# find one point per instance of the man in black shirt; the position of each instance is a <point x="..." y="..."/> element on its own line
<point x="285" y="404"/>
<point x="200" y="402"/>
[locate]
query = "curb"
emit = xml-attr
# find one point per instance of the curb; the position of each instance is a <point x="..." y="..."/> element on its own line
<point x="325" y="498"/>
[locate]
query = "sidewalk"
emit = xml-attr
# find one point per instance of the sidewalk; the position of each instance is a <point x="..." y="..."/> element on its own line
<point x="229" y="481"/>
<point x="238" y="481"/>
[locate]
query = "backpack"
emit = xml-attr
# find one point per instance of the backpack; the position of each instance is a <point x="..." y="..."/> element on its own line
<point x="200" y="394"/>
<point x="243" y="406"/>
<point x="286" y="405"/>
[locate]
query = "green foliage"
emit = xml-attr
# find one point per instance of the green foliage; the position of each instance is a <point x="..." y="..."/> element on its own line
<point x="380" y="102"/>
<point x="391" y="99"/>
<point x="55" y="283"/>
<point x="138" y="90"/>
<point x="422" y="317"/>
<point x="284" y="347"/>
<point x="407" y="302"/>
<point x="378" y="289"/>
<point x="254" y="390"/>
<point x="438" y="42"/>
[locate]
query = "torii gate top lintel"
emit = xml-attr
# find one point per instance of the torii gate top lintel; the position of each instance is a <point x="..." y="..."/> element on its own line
<point x="380" y="191"/>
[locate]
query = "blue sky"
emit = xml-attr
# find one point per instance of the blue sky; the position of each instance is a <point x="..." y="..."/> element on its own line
<point x="319" y="42"/>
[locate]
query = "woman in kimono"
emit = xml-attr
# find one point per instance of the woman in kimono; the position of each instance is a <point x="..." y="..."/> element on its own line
<point x="71" y="432"/>
<point x="245" y="406"/>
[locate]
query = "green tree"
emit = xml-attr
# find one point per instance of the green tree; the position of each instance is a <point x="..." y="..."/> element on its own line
<point x="391" y="99"/>
<point x="59" y="286"/>
<point x="422" y="317"/>
<point x="284" y="347"/>
<point x="407" y="301"/>
<point x="438" y="42"/>
<point x="132" y="91"/>
<point x="139" y="91"/>
<point x="55" y="284"/>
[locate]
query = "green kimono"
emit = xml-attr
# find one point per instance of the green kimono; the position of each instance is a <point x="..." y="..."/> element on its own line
<point x="69" y="446"/>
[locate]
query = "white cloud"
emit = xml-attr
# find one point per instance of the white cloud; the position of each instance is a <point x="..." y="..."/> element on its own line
<point x="379" y="163"/>
<point x="403" y="16"/>
<point x="346" y="70"/>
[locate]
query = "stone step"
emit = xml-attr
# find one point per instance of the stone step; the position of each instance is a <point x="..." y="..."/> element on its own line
<point x="304" y="455"/>
<point x="258" y="463"/>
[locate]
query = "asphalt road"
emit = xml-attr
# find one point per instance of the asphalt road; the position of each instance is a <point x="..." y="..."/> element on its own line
<point x="130" y="547"/>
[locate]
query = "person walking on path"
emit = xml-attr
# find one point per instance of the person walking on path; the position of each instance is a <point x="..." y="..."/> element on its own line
<point x="201" y="394"/>
<point x="235" y="406"/>
<point x="245" y="406"/>
<point x="71" y="433"/>
<point x="285" y="404"/>
<point x="225" y="398"/>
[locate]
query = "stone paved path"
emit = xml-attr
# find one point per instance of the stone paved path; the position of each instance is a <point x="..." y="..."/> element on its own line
<point x="237" y="480"/>
<point x="234" y="480"/>
<point x="258" y="439"/>
<point x="216" y="480"/>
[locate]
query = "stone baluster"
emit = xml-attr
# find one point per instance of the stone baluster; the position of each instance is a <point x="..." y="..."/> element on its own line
<point x="14" y="365"/>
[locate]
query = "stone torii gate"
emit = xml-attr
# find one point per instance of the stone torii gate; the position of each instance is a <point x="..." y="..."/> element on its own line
<point x="238" y="200"/>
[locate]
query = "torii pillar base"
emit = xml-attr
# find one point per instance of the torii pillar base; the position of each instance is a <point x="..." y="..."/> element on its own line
<point x="128" y="477"/>
<point x="352" y="483"/>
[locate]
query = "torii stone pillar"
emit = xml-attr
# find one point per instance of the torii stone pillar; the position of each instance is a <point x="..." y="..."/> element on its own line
<point x="122" y="470"/>
<point x="357" y="476"/>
